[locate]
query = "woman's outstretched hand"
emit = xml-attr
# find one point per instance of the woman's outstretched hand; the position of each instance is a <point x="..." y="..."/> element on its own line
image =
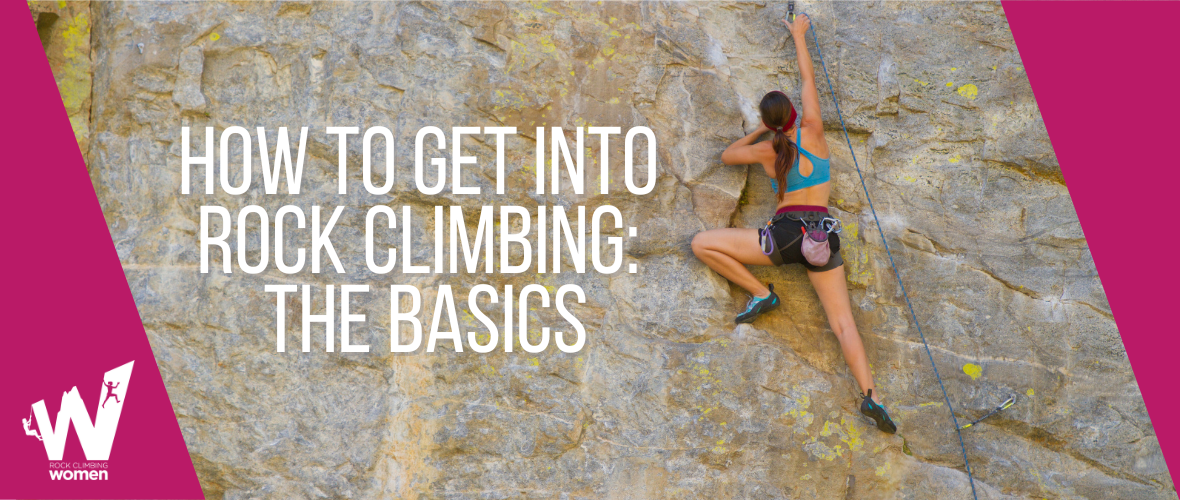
<point x="799" y="27"/>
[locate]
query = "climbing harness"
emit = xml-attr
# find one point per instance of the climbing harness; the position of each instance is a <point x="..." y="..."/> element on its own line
<point x="815" y="231"/>
<point x="896" y="273"/>
<point x="1003" y="406"/>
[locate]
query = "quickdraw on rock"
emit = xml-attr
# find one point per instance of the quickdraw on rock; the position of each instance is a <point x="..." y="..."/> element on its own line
<point x="1003" y="406"/>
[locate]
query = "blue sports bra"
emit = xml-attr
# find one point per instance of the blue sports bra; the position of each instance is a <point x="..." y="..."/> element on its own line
<point x="821" y="170"/>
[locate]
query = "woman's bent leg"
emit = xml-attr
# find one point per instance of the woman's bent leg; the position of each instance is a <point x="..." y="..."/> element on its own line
<point x="833" y="294"/>
<point x="727" y="251"/>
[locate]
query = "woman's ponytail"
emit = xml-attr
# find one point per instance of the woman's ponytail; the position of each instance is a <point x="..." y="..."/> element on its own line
<point x="785" y="154"/>
<point x="778" y="114"/>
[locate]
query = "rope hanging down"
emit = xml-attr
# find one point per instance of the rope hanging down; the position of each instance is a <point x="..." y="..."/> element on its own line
<point x="896" y="274"/>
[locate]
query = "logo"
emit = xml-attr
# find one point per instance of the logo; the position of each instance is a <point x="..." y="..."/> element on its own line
<point x="96" y="437"/>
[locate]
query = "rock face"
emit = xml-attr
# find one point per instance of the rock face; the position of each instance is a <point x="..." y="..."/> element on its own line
<point x="668" y="399"/>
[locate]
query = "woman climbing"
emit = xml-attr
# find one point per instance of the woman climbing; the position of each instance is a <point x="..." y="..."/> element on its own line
<point x="801" y="231"/>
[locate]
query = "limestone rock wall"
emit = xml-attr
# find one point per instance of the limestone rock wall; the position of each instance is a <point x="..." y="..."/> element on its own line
<point x="668" y="399"/>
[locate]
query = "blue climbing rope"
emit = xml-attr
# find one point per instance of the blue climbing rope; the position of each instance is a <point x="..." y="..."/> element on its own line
<point x="896" y="274"/>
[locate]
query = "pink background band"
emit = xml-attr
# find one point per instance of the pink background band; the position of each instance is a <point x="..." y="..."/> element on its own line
<point x="1103" y="74"/>
<point x="1114" y="57"/>
<point x="69" y="314"/>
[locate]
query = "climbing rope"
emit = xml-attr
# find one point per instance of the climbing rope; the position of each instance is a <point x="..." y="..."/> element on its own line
<point x="896" y="274"/>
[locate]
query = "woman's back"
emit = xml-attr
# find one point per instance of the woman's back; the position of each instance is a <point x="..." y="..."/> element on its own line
<point x="811" y="144"/>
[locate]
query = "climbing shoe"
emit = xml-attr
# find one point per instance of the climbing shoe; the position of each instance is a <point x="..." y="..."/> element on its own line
<point x="759" y="305"/>
<point x="877" y="412"/>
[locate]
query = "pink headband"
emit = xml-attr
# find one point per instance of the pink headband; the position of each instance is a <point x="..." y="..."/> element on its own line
<point x="790" y="119"/>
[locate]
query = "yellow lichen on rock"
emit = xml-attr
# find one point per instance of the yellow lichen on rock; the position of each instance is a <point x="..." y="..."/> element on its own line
<point x="973" y="371"/>
<point x="969" y="91"/>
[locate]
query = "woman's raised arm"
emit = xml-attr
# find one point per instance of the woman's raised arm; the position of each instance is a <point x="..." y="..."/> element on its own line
<point x="811" y="113"/>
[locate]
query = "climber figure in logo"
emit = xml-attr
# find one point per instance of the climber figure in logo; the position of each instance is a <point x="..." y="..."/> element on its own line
<point x="802" y="231"/>
<point x="29" y="431"/>
<point x="111" y="394"/>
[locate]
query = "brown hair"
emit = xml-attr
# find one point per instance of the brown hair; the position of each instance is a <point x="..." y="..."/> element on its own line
<point x="778" y="114"/>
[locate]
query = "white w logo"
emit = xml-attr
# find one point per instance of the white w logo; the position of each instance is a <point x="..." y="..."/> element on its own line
<point x="96" y="438"/>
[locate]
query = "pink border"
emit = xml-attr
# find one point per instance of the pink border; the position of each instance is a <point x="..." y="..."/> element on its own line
<point x="1103" y="74"/>
<point x="68" y="313"/>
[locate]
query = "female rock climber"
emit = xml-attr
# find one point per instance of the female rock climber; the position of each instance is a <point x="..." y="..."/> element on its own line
<point x="802" y="183"/>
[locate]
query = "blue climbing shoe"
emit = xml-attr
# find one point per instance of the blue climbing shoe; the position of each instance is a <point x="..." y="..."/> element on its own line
<point x="759" y="305"/>
<point x="877" y="412"/>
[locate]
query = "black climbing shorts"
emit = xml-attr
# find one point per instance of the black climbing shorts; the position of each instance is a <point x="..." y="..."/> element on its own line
<point x="788" y="238"/>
